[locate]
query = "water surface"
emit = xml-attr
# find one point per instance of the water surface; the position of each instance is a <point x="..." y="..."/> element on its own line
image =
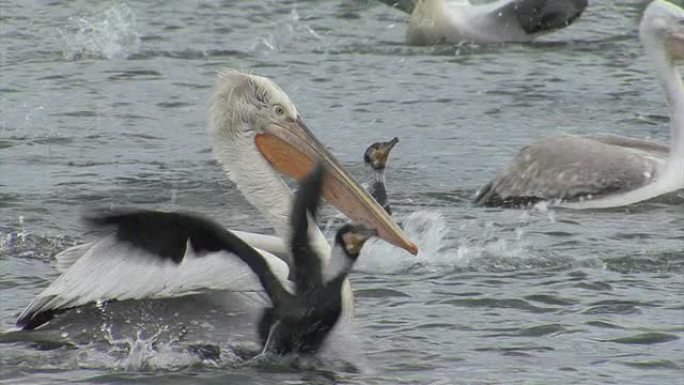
<point x="104" y="104"/>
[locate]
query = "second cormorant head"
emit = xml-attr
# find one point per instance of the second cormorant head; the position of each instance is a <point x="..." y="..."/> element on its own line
<point x="377" y="154"/>
<point x="376" y="158"/>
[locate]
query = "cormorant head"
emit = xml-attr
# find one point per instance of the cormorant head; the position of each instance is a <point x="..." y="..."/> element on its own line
<point x="377" y="154"/>
<point x="351" y="237"/>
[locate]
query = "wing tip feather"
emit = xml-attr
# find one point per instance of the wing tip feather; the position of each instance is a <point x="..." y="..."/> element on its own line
<point x="36" y="314"/>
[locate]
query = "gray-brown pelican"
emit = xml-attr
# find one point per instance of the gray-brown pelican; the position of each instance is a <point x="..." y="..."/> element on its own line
<point x="599" y="171"/>
<point x="454" y="21"/>
<point x="256" y="132"/>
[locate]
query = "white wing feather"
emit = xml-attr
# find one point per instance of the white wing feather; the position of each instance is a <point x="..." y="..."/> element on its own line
<point x="113" y="270"/>
<point x="65" y="259"/>
<point x="269" y="243"/>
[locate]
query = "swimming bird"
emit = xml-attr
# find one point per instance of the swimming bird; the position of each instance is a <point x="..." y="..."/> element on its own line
<point x="441" y="21"/>
<point x="256" y="132"/>
<point x="298" y="320"/>
<point x="597" y="171"/>
<point x="375" y="158"/>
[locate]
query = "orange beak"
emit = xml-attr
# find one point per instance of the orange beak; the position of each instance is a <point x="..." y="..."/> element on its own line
<point x="675" y="44"/>
<point x="294" y="151"/>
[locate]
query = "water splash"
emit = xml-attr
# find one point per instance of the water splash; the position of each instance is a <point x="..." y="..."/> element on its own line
<point x="429" y="230"/>
<point x="111" y="34"/>
<point x="287" y="35"/>
<point x="22" y="243"/>
<point x="145" y="351"/>
<point x="159" y="352"/>
<point x="138" y="353"/>
<point x="443" y="250"/>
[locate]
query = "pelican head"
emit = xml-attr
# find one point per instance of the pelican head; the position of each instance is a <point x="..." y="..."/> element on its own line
<point x="662" y="29"/>
<point x="377" y="154"/>
<point x="256" y="129"/>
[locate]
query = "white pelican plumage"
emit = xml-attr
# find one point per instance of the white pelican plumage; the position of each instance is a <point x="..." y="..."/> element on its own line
<point x="256" y="132"/>
<point x="454" y="21"/>
<point x="598" y="171"/>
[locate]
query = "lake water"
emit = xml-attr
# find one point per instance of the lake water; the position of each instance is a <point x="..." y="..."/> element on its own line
<point x="104" y="104"/>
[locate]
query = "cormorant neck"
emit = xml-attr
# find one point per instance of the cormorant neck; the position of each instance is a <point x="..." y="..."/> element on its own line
<point x="340" y="265"/>
<point x="373" y="175"/>
<point x="376" y="184"/>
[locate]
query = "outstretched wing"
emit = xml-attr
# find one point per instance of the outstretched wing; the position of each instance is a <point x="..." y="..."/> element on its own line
<point x="269" y="243"/>
<point x="67" y="257"/>
<point x="158" y="255"/>
<point x="307" y="265"/>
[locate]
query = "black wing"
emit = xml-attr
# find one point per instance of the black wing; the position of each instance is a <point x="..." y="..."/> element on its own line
<point x="536" y="16"/>
<point x="307" y="265"/>
<point x="166" y="235"/>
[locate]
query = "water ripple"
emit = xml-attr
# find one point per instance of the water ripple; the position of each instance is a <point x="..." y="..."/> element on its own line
<point x="498" y="303"/>
<point x="645" y="339"/>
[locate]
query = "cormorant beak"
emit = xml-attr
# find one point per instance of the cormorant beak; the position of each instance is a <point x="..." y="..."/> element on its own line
<point x="293" y="150"/>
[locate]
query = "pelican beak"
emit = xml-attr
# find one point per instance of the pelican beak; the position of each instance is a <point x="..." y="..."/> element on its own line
<point x="675" y="44"/>
<point x="293" y="150"/>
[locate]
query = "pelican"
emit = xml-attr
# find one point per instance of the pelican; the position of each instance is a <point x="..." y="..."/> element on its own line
<point x="441" y="21"/>
<point x="256" y="132"/>
<point x="599" y="171"/>
<point x="375" y="158"/>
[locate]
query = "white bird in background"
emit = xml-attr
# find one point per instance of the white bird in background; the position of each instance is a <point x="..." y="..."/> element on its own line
<point x="442" y="21"/>
<point x="256" y="132"/>
<point x="598" y="171"/>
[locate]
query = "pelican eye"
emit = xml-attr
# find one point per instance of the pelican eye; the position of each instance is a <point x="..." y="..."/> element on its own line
<point x="279" y="110"/>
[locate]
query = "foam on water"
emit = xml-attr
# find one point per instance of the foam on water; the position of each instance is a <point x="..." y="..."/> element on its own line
<point x="157" y="352"/>
<point x="443" y="249"/>
<point x="13" y="240"/>
<point x="139" y="354"/>
<point x="428" y="230"/>
<point x="111" y="34"/>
